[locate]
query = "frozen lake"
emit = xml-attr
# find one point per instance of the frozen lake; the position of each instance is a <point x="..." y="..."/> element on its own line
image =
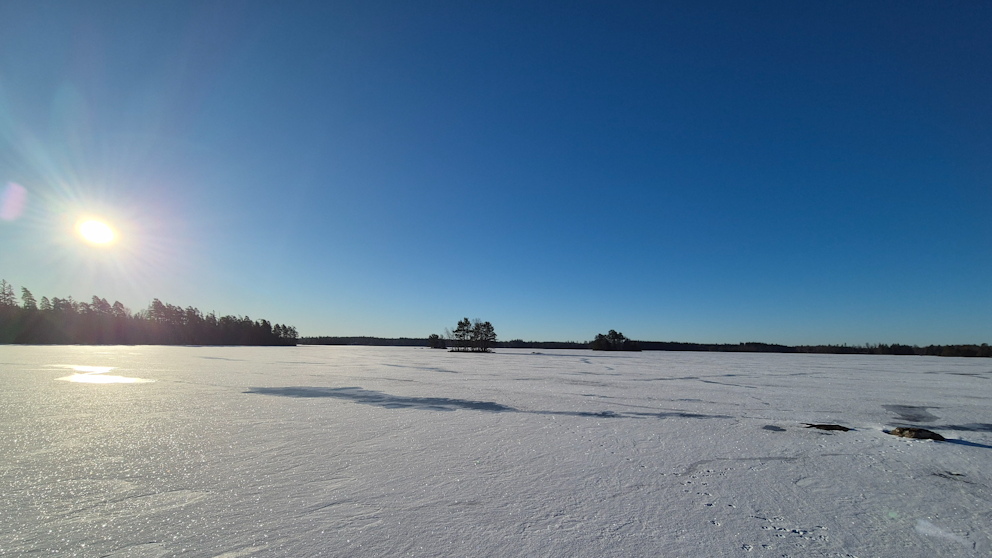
<point x="372" y="451"/>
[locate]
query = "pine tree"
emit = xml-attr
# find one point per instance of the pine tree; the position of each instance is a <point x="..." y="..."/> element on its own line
<point x="7" y="297"/>
<point x="483" y="336"/>
<point x="27" y="299"/>
<point x="463" y="334"/>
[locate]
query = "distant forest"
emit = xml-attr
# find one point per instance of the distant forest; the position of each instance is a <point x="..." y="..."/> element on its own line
<point x="983" y="350"/>
<point x="426" y="342"/>
<point x="65" y="321"/>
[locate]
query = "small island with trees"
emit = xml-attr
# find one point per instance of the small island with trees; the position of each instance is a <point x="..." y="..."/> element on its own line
<point x="613" y="341"/>
<point x="469" y="336"/>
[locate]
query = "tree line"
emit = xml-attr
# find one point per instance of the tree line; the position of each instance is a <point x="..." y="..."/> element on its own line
<point x="365" y="341"/>
<point x="66" y="321"/>
<point x="983" y="350"/>
<point x="435" y="341"/>
<point x="620" y="342"/>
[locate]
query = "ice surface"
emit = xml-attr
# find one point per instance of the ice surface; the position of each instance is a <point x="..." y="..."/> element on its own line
<point x="371" y="451"/>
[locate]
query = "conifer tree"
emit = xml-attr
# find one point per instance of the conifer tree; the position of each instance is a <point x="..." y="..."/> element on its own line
<point x="27" y="299"/>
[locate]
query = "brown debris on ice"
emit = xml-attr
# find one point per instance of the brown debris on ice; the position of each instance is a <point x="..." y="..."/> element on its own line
<point x="918" y="433"/>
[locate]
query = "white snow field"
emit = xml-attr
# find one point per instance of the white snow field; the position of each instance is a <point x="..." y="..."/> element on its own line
<point x="369" y="451"/>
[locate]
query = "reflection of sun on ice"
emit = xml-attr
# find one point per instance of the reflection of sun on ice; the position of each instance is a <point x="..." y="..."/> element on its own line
<point x="95" y="375"/>
<point x="96" y="232"/>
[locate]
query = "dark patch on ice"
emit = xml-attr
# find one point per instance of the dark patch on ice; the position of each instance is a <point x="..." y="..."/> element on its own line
<point x="971" y="427"/>
<point x="631" y="414"/>
<point x="981" y="375"/>
<point x="949" y="475"/>
<point x="385" y="400"/>
<point x="967" y="443"/>
<point x="773" y="428"/>
<point x="581" y="373"/>
<point x="601" y="414"/>
<point x="836" y="427"/>
<point x="584" y="383"/>
<point x="428" y="368"/>
<point x="680" y="414"/>
<point x="909" y="413"/>
<point x="380" y="399"/>
<point x="222" y="358"/>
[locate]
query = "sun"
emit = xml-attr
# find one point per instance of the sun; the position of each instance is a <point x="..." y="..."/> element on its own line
<point x="96" y="232"/>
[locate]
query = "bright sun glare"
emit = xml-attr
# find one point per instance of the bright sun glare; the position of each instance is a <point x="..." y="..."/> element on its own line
<point x="96" y="232"/>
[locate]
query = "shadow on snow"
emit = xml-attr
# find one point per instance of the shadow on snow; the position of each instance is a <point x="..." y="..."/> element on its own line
<point x="380" y="399"/>
<point x="966" y="443"/>
<point x="368" y="397"/>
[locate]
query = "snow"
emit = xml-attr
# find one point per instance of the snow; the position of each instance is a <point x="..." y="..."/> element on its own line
<point x="383" y="451"/>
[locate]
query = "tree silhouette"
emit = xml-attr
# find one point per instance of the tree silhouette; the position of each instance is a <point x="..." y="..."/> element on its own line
<point x="27" y="299"/>
<point x="477" y="336"/>
<point x="435" y="341"/>
<point x="483" y="336"/>
<point x="463" y="334"/>
<point x="613" y="341"/>
<point x="7" y="298"/>
<point x="65" y="321"/>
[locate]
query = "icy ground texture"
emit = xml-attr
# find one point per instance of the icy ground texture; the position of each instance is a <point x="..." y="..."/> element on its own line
<point x="357" y="451"/>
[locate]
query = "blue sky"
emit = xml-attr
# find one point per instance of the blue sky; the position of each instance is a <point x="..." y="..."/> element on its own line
<point x="788" y="172"/>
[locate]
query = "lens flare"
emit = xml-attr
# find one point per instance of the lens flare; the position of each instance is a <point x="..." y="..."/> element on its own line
<point x="12" y="201"/>
<point x="96" y="232"/>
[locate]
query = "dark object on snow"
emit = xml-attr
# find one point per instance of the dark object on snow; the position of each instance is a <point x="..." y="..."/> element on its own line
<point x="918" y="433"/>
<point x="827" y="427"/>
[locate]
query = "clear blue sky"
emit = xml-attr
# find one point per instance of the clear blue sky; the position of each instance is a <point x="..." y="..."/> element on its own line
<point x="789" y="172"/>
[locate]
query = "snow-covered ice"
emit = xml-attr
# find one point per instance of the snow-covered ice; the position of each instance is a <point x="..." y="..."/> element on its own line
<point x="373" y="451"/>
